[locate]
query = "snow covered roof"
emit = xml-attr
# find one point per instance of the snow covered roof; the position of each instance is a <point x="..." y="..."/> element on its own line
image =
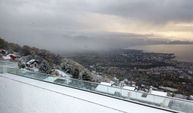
<point x="11" y="54"/>
<point x="129" y="88"/>
<point x="31" y="61"/>
<point x="6" y="57"/>
<point x="105" y="83"/>
<point x="159" y="93"/>
<point x="63" y="74"/>
<point x="59" y="99"/>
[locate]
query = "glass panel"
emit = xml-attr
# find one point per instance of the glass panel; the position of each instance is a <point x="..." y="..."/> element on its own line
<point x="1" y="69"/>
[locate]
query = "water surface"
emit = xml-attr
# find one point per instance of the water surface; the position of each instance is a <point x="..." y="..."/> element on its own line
<point x="182" y="52"/>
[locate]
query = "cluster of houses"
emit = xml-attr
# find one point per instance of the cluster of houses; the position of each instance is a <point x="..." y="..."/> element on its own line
<point x="153" y="97"/>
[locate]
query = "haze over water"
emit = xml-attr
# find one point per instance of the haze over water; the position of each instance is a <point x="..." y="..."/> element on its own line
<point x="182" y="52"/>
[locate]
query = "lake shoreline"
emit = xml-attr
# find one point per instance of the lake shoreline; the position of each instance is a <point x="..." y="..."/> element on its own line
<point x="183" y="52"/>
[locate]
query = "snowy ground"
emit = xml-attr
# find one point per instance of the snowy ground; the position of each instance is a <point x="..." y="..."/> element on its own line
<point x="23" y="95"/>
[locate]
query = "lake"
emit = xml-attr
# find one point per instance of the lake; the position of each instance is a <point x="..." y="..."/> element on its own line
<point x="182" y="52"/>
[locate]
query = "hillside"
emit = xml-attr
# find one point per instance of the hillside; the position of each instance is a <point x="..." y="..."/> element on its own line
<point x="35" y="59"/>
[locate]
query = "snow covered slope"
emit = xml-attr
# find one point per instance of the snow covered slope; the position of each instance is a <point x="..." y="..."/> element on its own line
<point x="24" y="95"/>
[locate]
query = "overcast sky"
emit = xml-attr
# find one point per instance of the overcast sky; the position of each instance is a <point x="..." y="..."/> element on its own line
<point x="83" y="24"/>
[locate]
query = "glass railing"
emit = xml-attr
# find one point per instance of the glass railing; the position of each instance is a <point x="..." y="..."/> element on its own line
<point x="8" y="63"/>
<point x="1" y="69"/>
<point x="161" y="102"/>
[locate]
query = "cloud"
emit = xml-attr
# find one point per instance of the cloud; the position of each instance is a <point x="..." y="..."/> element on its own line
<point x="86" y="24"/>
<point x="155" y="11"/>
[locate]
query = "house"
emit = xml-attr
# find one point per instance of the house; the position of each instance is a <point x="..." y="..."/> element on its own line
<point x="10" y="57"/>
<point x="62" y="75"/>
<point x="33" y="65"/>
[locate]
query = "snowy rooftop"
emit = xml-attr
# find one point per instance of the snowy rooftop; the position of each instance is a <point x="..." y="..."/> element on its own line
<point x="105" y="83"/>
<point x="31" y="61"/>
<point x="160" y="93"/>
<point x="99" y="97"/>
<point x="63" y="74"/>
<point x="24" y="95"/>
<point x="129" y="88"/>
